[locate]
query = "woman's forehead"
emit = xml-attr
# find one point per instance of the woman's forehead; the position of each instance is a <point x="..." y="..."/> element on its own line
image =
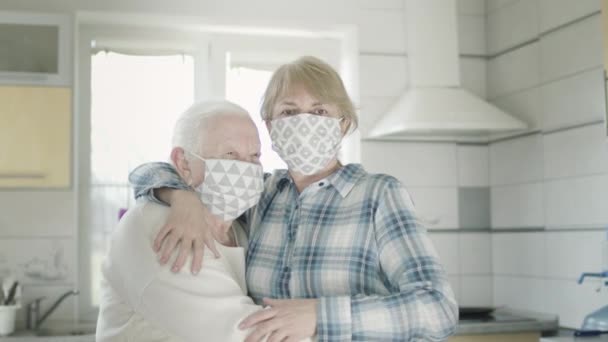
<point x="300" y="92"/>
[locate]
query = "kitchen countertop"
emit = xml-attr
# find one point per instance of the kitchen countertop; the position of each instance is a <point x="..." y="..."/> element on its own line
<point x="566" y="335"/>
<point x="30" y="337"/>
<point x="506" y="320"/>
<point x="56" y="332"/>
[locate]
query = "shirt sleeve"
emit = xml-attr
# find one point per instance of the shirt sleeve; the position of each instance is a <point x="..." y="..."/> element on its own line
<point x="150" y="176"/>
<point x="421" y="305"/>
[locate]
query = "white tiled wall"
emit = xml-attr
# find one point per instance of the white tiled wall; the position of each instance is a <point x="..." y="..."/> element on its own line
<point x="428" y="170"/>
<point x="576" y="152"/>
<point x="517" y="161"/>
<point x="553" y="13"/>
<point x="467" y="259"/>
<point x="414" y="164"/>
<point x="517" y="206"/>
<point x="564" y="53"/>
<point x="36" y="213"/>
<point x="557" y="179"/>
<point x="518" y="254"/>
<point x="573" y="100"/>
<point x="568" y="254"/>
<point x="37" y="245"/>
<point x="515" y="23"/>
<point x="384" y="76"/>
<point x="382" y="22"/>
<point x="513" y="71"/>
<point x="578" y="202"/>
<point x="473" y="166"/>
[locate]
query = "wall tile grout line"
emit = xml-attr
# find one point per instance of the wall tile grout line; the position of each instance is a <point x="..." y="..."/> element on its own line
<point x="37" y="237"/>
<point x="540" y="36"/>
<point x="565" y="129"/>
<point x="520" y="91"/>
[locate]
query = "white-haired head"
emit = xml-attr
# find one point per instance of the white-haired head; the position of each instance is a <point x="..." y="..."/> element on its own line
<point x="189" y="132"/>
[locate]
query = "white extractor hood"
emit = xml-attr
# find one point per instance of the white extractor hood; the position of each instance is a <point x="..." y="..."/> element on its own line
<point x="435" y="106"/>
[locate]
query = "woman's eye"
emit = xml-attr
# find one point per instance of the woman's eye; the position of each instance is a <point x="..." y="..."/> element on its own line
<point x="320" y="111"/>
<point x="288" y="112"/>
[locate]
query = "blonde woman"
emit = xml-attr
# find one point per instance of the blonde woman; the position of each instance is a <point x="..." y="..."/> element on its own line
<point x="333" y="250"/>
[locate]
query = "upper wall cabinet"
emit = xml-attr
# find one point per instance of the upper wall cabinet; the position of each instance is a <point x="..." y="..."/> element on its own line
<point x="35" y="49"/>
<point x="35" y="137"/>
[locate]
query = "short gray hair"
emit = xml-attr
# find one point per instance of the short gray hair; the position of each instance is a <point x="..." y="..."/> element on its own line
<point x="188" y="132"/>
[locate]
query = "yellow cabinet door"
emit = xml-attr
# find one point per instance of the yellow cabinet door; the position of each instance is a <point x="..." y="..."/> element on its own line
<point x="35" y="136"/>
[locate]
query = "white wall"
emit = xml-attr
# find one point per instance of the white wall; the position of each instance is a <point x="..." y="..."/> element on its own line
<point x="550" y="188"/>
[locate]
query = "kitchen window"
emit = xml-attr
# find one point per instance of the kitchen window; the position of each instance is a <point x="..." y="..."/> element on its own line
<point x="135" y="99"/>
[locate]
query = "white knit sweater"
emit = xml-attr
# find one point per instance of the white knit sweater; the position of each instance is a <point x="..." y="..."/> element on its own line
<point x="143" y="301"/>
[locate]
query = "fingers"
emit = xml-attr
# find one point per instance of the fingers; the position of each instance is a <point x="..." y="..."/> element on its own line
<point x="257" y="317"/>
<point x="185" y="247"/>
<point x="161" y="236"/>
<point x="168" y="246"/>
<point x="272" y="302"/>
<point x="277" y="336"/>
<point x="197" y="257"/>
<point x="263" y="329"/>
<point x="210" y="242"/>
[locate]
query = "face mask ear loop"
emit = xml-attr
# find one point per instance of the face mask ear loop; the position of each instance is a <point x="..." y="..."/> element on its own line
<point x="189" y="182"/>
<point x="204" y="168"/>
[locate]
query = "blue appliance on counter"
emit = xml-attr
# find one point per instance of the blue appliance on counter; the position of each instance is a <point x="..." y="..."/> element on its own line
<point x="596" y="321"/>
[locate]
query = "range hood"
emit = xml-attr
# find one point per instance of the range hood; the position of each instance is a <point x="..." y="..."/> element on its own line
<point x="435" y="106"/>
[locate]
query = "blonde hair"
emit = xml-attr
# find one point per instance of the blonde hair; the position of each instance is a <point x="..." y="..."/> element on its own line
<point x="318" y="78"/>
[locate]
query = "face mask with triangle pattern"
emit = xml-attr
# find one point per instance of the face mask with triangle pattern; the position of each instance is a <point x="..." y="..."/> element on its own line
<point x="230" y="186"/>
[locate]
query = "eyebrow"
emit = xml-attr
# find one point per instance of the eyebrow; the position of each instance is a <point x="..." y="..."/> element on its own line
<point x="289" y="103"/>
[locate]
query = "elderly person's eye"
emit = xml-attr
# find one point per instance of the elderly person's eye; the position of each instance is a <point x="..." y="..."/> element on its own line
<point x="255" y="158"/>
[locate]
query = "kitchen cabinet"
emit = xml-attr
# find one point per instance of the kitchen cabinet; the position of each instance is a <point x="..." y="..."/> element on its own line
<point x="35" y="137"/>
<point x="35" y="48"/>
<point x="499" y="337"/>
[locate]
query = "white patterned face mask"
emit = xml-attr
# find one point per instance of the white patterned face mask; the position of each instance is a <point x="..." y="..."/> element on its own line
<point x="306" y="142"/>
<point x="230" y="186"/>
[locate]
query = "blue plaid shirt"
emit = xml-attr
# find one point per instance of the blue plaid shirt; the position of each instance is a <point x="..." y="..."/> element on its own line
<point x="353" y="241"/>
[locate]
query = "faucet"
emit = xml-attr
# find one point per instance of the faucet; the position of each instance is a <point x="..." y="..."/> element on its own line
<point x="33" y="318"/>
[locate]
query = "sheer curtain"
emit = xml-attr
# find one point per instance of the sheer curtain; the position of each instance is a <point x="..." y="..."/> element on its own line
<point x="245" y="86"/>
<point x="135" y="100"/>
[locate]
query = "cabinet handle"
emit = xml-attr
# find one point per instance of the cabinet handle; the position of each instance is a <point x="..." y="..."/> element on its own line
<point x="22" y="175"/>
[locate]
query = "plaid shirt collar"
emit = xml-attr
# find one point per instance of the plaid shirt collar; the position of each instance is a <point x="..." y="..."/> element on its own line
<point x="343" y="180"/>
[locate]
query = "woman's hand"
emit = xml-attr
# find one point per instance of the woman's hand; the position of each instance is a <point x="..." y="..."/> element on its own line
<point x="189" y="228"/>
<point x="285" y="320"/>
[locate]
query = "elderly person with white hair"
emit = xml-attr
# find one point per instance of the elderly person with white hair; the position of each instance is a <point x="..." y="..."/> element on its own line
<point x="216" y="151"/>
